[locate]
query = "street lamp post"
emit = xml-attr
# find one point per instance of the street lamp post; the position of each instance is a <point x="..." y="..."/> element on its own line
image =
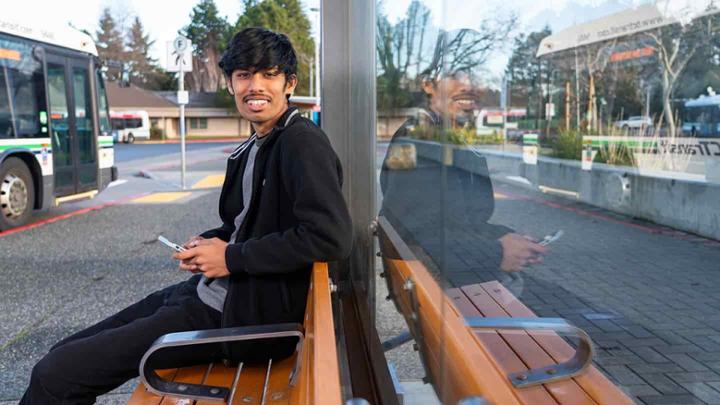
<point x="316" y="10"/>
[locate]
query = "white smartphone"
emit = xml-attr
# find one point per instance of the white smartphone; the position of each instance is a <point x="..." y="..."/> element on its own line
<point x="551" y="238"/>
<point x="171" y="245"/>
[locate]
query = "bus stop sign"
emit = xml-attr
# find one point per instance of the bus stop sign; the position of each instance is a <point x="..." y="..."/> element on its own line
<point x="179" y="53"/>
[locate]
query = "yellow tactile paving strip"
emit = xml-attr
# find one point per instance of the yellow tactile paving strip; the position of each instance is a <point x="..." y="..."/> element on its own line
<point x="161" y="198"/>
<point x="213" y="180"/>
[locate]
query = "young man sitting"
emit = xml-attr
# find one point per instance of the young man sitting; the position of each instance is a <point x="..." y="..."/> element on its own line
<point x="282" y="209"/>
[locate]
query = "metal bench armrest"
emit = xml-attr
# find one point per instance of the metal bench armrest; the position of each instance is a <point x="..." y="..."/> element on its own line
<point x="157" y="385"/>
<point x="575" y="365"/>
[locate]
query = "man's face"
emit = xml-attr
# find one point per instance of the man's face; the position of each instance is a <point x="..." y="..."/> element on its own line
<point x="456" y="95"/>
<point x="260" y="96"/>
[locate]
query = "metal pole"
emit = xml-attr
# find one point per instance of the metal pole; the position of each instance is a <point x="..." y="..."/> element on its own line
<point x="312" y="76"/>
<point x="181" y="86"/>
<point x="577" y="92"/>
<point x="504" y="107"/>
<point x="317" y="57"/>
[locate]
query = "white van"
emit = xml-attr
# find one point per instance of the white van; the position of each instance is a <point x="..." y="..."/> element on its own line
<point x="130" y="125"/>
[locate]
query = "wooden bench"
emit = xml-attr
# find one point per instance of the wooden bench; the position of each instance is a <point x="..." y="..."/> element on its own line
<point x="310" y="376"/>
<point x="468" y="352"/>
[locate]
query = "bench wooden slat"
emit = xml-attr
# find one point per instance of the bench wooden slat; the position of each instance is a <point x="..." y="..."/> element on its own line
<point x="278" y="390"/>
<point x="141" y="396"/>
<point x="326" y="371"/>
<point x="532" y="354"/>
<point x="505" y="357"/>
<point x="250" y="385"/>
<point x="194" y="374"/>
<point x="466" y="369"/>
<point x="592" y="380"/>
<point x="220" y="376"/>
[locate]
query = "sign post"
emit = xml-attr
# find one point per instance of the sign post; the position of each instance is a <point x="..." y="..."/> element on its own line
<point x="180" y="60"/>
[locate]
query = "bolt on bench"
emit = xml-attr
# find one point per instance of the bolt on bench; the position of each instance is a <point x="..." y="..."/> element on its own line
<point x="310" y="376"/>
<point x="480" y="341"/>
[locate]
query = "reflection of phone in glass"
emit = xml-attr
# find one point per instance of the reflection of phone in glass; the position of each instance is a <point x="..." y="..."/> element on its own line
<point x="551" y="238"/>
<point x="171" y="245"/>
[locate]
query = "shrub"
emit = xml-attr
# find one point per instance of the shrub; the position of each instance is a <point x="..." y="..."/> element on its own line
<point x="567" y="145"/>
<point x="156" y="133"/>
<point x="615" y="154"/>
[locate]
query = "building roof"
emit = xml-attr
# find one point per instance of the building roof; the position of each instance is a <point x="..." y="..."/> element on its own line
<point x="134" y="97"/>
<point x="195" y="99"/>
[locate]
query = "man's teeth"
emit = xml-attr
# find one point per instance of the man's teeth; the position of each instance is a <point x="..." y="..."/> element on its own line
<point x="257" y="103"/>
<point x="465" y="102"/>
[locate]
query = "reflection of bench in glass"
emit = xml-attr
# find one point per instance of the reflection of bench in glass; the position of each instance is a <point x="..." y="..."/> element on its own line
<point x="465" y="356"/>
<point x="310" y="376"/>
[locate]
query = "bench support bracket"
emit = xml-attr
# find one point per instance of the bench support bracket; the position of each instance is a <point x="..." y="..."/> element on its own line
<point x="570" y="368"/>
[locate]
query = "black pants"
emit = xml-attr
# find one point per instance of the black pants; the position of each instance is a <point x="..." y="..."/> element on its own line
<point x="102" y="357"/>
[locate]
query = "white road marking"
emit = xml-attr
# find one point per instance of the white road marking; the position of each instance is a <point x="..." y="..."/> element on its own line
<point x="117" y="183"/>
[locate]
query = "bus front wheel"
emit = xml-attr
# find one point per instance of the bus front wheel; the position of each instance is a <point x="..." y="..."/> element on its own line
<point x="17" y="193"/>
<point x="130" y="138"/>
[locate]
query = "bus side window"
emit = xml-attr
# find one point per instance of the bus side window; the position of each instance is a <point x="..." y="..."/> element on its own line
<point x="6" y="124"/>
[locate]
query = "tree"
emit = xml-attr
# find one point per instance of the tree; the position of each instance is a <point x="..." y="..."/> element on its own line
<point x="110" y="44"/>
<point x="402" y="51"/>
<point x="525" y="71"/>
<point x="675" y="45"/>
<point x="400" y="47"/>
<point x="208" y="33"/>
<point x="289" y="18"/>
<point x="144" y="71"/>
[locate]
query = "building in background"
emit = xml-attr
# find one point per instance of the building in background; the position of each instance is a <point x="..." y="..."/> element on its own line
<point x="205" y="114"/>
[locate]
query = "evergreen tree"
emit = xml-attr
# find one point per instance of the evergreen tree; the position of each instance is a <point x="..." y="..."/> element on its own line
<point x="208" y="32"/>
<point x="144" y="71"/>
<point x="525" y="72"/>
<point x="289" y="18"/>
<point x="110" y="44"/>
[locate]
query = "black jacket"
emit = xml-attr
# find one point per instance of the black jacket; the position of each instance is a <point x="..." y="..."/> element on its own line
<point x="297" y="216"/>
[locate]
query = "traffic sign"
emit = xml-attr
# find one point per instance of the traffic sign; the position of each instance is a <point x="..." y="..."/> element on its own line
<point x="175" y="58"/>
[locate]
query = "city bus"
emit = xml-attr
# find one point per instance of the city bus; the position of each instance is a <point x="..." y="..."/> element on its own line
<point x="55" y="141"/>
<point x="702" y="117"/>
<point x="130" y="125"/>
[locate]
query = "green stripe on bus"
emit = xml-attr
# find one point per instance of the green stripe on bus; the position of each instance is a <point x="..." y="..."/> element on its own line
<point x="6" y="147"/>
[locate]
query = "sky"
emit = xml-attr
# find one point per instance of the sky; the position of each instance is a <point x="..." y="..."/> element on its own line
<point x="163" y="18"/>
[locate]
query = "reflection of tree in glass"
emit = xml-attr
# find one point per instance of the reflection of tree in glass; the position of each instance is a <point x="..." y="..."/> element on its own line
<point x="675" y="46"/>
<point x="402" y="52"/>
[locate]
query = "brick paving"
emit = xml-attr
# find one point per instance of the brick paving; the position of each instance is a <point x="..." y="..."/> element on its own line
<point x="649" y="296"/>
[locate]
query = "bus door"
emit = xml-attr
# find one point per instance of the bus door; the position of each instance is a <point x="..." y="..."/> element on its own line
<point x="72" y="125"/>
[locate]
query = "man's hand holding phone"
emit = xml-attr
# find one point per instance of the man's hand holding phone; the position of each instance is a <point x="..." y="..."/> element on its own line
<point x="205" y="256"/>
<point x="520" y="251"/>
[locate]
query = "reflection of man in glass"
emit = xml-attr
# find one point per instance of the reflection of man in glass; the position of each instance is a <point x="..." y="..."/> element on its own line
<point x="439" y="209"/>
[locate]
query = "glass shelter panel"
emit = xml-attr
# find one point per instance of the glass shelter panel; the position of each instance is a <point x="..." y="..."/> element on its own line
<point x="553" y="160"/>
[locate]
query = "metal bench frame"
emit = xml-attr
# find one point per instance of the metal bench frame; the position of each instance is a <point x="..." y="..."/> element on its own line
<point x="155" y="384"/>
